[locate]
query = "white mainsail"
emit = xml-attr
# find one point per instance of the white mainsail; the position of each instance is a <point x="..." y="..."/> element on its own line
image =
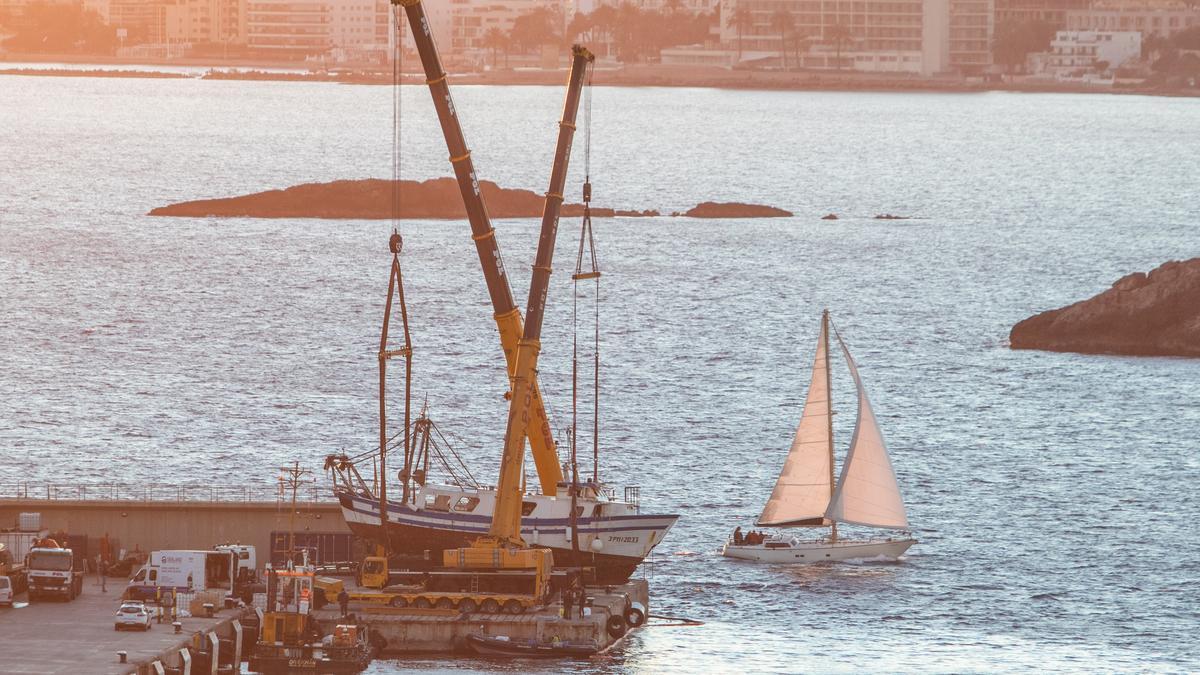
<point x="867" y="492"/>
<point x="802" y="493"/>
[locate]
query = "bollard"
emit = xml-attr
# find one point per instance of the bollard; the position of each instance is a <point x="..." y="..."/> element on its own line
<point x="178" y="627"/>
<point x="122" y="657"/>
<point x="208" y="609"/>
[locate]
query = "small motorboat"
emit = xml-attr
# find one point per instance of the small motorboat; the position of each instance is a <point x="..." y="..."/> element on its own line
<point x="502" y="645"/>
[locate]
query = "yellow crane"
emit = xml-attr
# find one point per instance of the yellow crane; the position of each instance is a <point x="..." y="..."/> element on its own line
<point x="503" y="545"/>
<point x="508" y="317"/>
<point x="503" y="548"/>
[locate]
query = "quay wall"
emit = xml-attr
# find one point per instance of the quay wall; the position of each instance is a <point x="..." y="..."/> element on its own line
<point x="158" y="525"/>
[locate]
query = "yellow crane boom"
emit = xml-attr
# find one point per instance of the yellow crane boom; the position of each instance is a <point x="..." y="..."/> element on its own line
<point x="507" y="315"/>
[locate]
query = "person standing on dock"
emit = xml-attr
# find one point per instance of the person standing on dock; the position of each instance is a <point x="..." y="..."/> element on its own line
<point x="343" y="599"/>
<point x="166" y="605"/>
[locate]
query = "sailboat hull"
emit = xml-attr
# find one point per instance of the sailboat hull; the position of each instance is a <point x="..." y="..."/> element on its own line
<point x="802" y="552"/>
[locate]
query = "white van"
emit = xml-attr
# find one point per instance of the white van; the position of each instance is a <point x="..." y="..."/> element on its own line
<point x="6" y="592"/>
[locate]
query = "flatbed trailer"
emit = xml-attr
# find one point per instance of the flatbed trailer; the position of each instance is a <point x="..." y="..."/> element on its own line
<point x="465" y="590"/>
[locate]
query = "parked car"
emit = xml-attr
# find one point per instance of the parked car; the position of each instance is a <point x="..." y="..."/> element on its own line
<point x="133" y="615"/>
<point x="6" y="591"/>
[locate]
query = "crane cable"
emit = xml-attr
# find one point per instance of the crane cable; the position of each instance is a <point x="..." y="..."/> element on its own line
<point x="397" y="70"/>
<point x="586" y="241"/>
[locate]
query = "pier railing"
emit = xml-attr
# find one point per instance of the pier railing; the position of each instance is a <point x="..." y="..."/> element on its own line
<point x="160" y="492"/>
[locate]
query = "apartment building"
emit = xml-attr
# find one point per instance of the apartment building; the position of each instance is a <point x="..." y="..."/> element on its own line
<point x="972" y="24"/>
<point x="360" y="25"/>
<point x="288" y="29"/>
<point x="1053" y="12"/>
<point x="1148" y="17"/>
<point x="693" y="6"/>
<point x="879" y="35"/>
<point x="206" y="22"/>
<point x="471" y="20"/>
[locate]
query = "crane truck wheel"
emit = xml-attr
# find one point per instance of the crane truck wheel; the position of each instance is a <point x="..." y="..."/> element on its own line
<point x="615" y="627"/>
<point x="444" y="603"/>
<point x="422" y="603"/>
<point x="398" y="601"/>
<point x="513" y="607"/>
<point x="467" y="605"/>
<point x="490" y="606"/>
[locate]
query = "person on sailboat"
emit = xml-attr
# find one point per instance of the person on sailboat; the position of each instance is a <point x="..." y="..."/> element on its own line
<point x="737" y="536"/>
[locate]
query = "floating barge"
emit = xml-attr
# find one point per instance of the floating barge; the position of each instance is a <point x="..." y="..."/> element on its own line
<point x="409" y="630"/>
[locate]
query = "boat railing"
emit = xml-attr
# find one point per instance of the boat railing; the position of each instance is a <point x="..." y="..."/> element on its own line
<point x="162" y="492"/>
<point x="633" y="496"/>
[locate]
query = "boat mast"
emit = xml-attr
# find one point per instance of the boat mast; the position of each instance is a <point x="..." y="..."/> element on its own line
<point x="829" y="394"/>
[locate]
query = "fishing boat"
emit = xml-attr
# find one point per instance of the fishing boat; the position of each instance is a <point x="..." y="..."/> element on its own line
<point x="611" y="535"/>
<point x="807" y="495"/>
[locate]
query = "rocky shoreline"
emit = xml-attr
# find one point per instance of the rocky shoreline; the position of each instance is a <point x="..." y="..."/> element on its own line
<point x="1155" y="314"/>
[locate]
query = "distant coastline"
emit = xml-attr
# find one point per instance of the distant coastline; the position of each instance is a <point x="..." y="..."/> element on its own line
<point x="619" y="76"/>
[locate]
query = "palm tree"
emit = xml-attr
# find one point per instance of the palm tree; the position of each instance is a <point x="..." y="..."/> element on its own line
<point x="800" y="43"/>
<point x="783" y="21"/>
<point x="740" y="20"/>
<point x="839" y="34"/>
<point x="495" y="39"/>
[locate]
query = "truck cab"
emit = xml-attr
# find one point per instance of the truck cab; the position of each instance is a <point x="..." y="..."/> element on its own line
<point x="52" y="573"/>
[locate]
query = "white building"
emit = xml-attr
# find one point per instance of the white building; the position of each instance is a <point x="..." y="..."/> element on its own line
<point x="1148" y="17"/>
<point x="1074" y="53"/>
<point x="906" y="36"/>
<point x="288" y="29"/>
<point x="360" y="29"/>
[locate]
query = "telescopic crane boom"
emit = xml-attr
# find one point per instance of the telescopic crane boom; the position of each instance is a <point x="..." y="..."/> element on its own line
<point x="506" y="520"/>
<point x="508" y="317"/>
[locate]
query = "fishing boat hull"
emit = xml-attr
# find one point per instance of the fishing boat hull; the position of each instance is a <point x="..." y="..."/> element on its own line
<point x="802" y="552"/>
<point x="614" y="542"/>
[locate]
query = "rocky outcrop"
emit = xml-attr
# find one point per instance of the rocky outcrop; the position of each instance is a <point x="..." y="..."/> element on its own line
<point x="369" y="199"/>
<point x="735" y="210"/>
<point x="1155" y="314"/>
<point x="438" y="198"/>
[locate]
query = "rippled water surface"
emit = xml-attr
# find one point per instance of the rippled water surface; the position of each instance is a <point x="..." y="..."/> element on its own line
<point x="1054" y="495"/>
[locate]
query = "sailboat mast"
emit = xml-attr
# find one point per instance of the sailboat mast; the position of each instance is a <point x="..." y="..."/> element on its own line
<point x="829" y="394"/>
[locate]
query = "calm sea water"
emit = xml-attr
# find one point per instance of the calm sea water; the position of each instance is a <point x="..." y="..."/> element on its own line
<point x="1054" y="495"/>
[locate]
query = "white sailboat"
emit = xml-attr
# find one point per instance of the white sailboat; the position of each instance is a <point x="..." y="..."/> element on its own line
<point x="807" y="495"/>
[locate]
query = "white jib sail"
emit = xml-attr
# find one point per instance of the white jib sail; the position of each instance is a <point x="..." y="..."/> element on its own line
<point x="803" y="490"/>
<point x="867" y="492"/>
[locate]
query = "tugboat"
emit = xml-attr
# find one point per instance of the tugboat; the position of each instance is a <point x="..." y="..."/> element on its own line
<point x="290" y="639"/>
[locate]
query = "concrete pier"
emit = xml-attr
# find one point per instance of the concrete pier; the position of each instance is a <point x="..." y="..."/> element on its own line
<point x="174" y="524"/>
<point x="411" y="630"/>
<point x="66" y="638"/>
